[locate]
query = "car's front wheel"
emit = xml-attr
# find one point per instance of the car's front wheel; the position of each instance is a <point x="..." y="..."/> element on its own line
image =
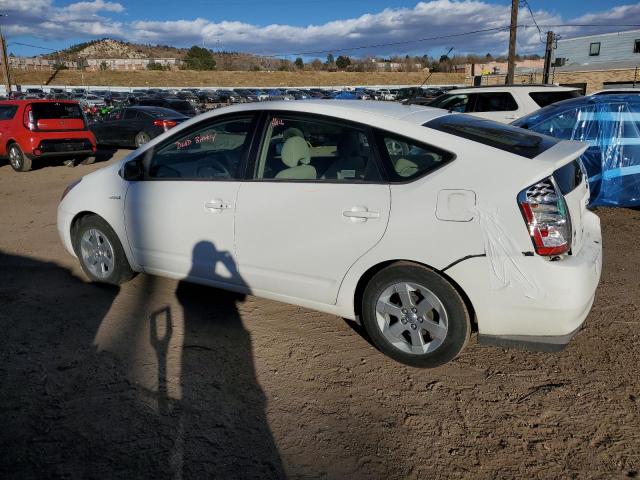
<point x="415" y="316"/>
<point x="100" y="252"/>
<point x="18" y="160"/>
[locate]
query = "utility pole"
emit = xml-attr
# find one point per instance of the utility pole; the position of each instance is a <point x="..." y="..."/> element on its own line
<point x="5" y="61"/>
<point x="512" y="42"/>
<point x="548" y="51"/>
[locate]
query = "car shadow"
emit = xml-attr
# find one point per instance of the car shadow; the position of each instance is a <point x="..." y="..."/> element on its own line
<point x="70" y="409"/>
<point x="104" y="153"/>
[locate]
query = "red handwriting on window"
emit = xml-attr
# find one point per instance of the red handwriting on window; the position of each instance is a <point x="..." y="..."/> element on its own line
<point x="277" y="122"/>
<point x="198" y="139"/>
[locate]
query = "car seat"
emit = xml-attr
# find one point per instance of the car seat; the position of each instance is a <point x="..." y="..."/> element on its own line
<point x="295" y="155"/>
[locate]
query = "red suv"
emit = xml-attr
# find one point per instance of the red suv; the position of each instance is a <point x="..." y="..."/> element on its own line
<point x="34" y="129"/>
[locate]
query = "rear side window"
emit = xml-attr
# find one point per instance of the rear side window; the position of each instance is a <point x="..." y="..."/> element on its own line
<point x="130" y="114"/>
<point x="452" y="102"/>
<point x="547" y="98"/>
<point x="55" y="110"/>
<point x="494" y="134"/>
<point x="495" y="102"/>
<point x="7" y="112"/>
<point x="407" y="159"/>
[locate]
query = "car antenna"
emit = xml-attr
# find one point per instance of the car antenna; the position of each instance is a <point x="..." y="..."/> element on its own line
<point x="413" y="94"/>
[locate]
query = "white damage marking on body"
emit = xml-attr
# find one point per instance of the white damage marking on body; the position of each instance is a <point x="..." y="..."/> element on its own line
<point x="505" y="258"/>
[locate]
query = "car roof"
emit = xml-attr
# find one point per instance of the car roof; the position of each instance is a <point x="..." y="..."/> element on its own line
<point x="416" y="114"/>
<point x="508" y="88"/>
<point x="152" y="108"/>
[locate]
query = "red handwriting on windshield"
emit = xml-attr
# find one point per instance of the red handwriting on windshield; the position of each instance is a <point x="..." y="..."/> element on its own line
<point x="198" y="139"/>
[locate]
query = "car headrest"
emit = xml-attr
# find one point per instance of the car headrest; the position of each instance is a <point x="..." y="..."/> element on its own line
<point x="292" y="132"/>
<point x="295" y="151"/>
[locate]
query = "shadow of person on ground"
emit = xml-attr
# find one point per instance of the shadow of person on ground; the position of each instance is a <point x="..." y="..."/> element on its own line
<point x="226" y="433"/>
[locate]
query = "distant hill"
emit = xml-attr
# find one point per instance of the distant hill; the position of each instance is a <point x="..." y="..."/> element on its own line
<point x="110" y="48"/>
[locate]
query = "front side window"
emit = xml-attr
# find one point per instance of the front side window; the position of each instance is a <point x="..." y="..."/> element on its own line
<point x="636" y="46"/>
<point x="211" y="150"/>
<point x="594" y="49"/>
<point x="495" y="102"/>
<point x="130" y="114"/>
<point x="298" y="148"/>
<point x="408" y="159"/>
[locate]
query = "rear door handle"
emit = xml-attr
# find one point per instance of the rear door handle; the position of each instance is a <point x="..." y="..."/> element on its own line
<point x="360" y="214"/>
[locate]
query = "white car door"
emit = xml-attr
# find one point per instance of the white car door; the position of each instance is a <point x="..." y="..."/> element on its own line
<point x="180" y="217"/>
<point x="314" y="206"/>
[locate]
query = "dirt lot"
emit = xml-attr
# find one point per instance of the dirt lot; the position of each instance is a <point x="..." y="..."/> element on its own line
<point x="159" y="379"/>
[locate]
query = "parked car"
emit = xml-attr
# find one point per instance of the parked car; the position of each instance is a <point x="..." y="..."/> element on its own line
<point x="31" y="130"/>
<point x="292" y="201"/>
<point x="610" y="125"/>
<point x="227" y="96"/>
<point x="135" y="126"/>
<point x="503" y="103"/>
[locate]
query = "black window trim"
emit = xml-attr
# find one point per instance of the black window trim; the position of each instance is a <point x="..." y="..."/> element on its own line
<point x="390" y="175"/>
<point x="262" y="132"/>
<point x="591" y="49"/>
<point x="146" y="156"/>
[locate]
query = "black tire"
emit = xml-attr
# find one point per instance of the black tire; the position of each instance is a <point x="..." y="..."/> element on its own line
<point x="121" y="271"/>
<point x="141" y="138"/>
<point x="459" y="323"/>
<point x="17" y="159"/>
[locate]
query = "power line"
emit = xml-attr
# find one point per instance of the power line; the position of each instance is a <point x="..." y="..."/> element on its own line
<point x="534" y="19"/>
<point x="390" y="44"/>
<point x="408" y="42"/>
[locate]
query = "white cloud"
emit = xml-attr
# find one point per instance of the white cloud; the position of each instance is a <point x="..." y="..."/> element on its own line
<point x="431" y="18"/>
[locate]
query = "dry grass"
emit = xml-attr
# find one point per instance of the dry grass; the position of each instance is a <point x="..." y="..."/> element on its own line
<point x="185" y="78"/>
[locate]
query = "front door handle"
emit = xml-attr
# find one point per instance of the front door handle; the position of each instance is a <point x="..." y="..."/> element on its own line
<point x="360" y="214"/>
<point x="216" y="206"/>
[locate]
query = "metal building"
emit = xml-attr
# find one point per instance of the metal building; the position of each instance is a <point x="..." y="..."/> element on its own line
<point x="620" y="48"/>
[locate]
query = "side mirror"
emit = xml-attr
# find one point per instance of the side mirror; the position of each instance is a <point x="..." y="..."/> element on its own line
<point x="132" y="171"/>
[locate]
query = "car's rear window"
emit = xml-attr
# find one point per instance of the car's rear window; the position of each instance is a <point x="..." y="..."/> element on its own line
<point x="56" y="110"/>
<point x="7" y="112"/>
<point x="497" y="135"/>
<point x="547" y="98"/>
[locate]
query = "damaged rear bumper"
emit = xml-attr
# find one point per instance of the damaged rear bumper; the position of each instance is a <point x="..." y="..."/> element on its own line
<point x="538" y="304"/>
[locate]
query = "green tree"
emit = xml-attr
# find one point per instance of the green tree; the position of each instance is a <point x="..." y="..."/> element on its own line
<point x="330" y="60"/>
<point x="343" y="62"/>
<point x="152" y="65"/>
<point x="299" y="63"/>
<point x="104" y="66"/>
<point x="198" y="58"/>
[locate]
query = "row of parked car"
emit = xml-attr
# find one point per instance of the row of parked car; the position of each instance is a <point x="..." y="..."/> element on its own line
<point x="144" y="114"/>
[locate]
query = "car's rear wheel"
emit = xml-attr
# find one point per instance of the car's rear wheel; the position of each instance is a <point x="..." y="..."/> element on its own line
<point x="415" y="316"/>
<point x="100" y="252"/>
<point x="18" y="160"/>
<point x="142" y="138"/>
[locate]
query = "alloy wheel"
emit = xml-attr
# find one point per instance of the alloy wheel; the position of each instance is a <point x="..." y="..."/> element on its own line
<point x="412" y="318"/>
<point x="97" y="253"/>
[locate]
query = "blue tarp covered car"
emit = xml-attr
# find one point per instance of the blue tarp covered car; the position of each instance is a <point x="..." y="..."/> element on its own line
<point x="610" y="124"/>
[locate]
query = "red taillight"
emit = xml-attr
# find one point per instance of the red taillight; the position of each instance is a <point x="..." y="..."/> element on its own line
<point x="547" y="217"/>
<point x="166" y="124"/>
<point x="27" y="118"/>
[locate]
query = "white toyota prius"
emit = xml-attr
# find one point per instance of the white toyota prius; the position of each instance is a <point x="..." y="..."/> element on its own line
<point x="423" y="225"/>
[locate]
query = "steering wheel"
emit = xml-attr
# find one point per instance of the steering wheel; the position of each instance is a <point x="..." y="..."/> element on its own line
<point x="213" y="170"/>
<point x="394" y="147"/>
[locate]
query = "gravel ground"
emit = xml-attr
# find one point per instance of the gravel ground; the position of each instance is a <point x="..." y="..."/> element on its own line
<point x="160" y="379"/>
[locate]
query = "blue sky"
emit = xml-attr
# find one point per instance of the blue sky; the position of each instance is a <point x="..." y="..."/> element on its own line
<point x="292" y="26"/>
